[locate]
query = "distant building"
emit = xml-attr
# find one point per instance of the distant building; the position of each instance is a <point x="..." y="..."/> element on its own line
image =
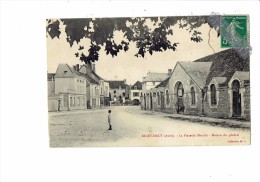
<point x="135" y="92"/>
<point x="149" y="82"/>
<point x="97" y="89"/>
<point x="217" y="86"/>
<point x="118" y="90"/>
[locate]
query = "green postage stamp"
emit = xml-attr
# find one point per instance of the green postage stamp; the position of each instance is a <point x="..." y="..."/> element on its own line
<point x="233" y="31"/>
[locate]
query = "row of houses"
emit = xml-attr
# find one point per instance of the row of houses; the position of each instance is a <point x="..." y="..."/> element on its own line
<point x="79" y="87"/>
<point x="217" y="86"/>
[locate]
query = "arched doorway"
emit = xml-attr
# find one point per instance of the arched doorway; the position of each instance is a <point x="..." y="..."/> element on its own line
<point x="236" y="98"/>
<point x="180" y="94"/>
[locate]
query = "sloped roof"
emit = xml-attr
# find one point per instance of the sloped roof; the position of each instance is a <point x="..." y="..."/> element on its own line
<point x="51" y="76"/>
<point x="137" y="84"/>
<point x="90" y="75"/>
<point x="65" y="71"/>
<point x="163" y="83"/>
<point x="220" y="80"/>
<point x="242" y="75"/>
<point x="115" y="84"/>
<point x="156" y="77"/>
<point x="226" y="63"/>
<point x="90" y="80"/>
<point x="198" y="71"/>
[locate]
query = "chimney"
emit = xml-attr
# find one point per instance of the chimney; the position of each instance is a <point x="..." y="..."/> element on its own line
<point x="93" y="67"/>
<point x="169" y="71"/>
<point x="124" y="81"/>
<point x="76" y="67"/>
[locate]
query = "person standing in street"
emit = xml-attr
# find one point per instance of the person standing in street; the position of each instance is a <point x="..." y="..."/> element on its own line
<point x="109" y="120"/>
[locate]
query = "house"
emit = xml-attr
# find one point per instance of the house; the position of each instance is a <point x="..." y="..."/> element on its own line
<point x="149" y="82"/>
<point x="135" y="92"/>
<point x="97" y="89"/>
<point x="217" y="85"/>
<point x="118" y="90"/>
<point x="53" y="99"/>
<point x="51" y="83"/>
<point x="70" y="86"/>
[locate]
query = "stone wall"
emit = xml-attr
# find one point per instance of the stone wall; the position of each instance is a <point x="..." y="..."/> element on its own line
<point x="247" y="103"/>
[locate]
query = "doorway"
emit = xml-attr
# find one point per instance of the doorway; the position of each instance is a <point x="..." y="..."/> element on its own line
<point x="236" y="98"/>
<point x="180" y="104"/>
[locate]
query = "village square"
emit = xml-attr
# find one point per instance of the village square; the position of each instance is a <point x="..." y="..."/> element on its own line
<point x="192" y="99"/>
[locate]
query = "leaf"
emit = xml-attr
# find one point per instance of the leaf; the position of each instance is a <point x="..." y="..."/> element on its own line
<point x="81" y="47"/>
<point x="53" y="29"/>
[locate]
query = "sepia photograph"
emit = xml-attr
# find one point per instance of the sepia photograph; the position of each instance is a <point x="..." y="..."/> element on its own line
<point x="129" y="91"/>
<point x="148" y="81"/>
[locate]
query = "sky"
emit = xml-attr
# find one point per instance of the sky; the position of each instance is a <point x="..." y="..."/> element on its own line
<point x="125" y="65"/>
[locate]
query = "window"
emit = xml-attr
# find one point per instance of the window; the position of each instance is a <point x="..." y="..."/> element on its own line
<point x="135" y="87"/>
<point x="158" y="98"/>
<point x="114" y="92"/>
<point x="213" y="98"/>
<point x="135" y="94"/>
<point x="70" y="101"/>
<point x="167" y="97"/>
<point x="193" y="100"/>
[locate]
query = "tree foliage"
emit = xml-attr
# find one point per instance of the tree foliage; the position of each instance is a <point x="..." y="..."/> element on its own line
<point x="148" y="38"/>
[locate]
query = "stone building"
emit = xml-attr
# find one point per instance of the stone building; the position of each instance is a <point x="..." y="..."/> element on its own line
<point x="76" y="87"/>
<point x="97" y="89"/>
<point x="217" y="86"/>
<point x="53" y="100"/>
<point x="135" y="92"/>
<point x="118" y="90"/>
<point x="149" y="82"/>
<point x="70" y="86"/>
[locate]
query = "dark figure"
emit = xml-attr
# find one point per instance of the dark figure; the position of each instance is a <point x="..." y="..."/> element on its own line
<point x="109" y="120"/>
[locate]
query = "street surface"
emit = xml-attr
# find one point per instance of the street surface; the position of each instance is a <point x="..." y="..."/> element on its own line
<point x="132" y="127"/>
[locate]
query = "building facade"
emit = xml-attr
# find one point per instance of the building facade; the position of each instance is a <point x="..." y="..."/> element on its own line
<point x="97" y="89"/>
<point x="118" y="91"/>
<point x="70" y="86"/>
<point x="150" y="82"/>
<point x="217" y="86"/>
<point x="76" y="87"/>
<point x="135" y="92"/>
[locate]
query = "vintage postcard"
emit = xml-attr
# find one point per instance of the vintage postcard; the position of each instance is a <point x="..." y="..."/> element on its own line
<point x="149" y="81"/>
